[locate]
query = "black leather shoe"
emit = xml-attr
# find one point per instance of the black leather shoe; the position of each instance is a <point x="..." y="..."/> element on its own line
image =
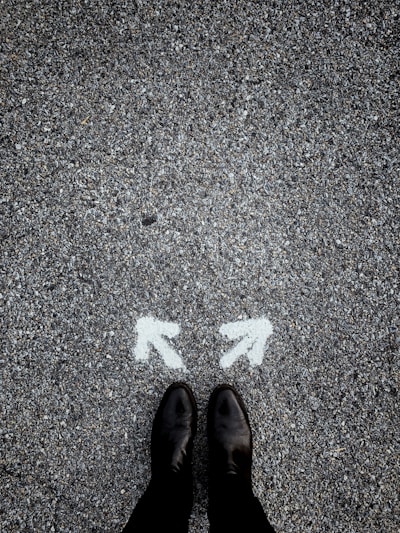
<point x="173" y="432"/>
<point x="229" y="436"/>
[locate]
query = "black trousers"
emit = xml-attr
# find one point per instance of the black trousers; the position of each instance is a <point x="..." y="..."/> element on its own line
<point x="166" y="506"/>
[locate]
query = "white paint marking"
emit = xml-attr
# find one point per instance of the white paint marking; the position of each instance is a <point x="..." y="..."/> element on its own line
<point x="253" y="335"/>
<point x="152" y="332"/>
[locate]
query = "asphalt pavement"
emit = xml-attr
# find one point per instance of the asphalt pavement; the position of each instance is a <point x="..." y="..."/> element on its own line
<point x="173" y="173"/>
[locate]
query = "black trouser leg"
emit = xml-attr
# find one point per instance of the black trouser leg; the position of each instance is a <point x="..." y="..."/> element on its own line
<point x="233" y="508"/>
<point x="165" y="506"/>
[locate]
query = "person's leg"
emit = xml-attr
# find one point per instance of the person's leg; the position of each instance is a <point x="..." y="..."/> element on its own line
<point x="167" y="502"/>
<point x="233" y="508"/>
<point x="163" y="507"/>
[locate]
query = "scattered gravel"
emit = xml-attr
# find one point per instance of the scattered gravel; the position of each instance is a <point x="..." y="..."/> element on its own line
<point x="202" y="163"/>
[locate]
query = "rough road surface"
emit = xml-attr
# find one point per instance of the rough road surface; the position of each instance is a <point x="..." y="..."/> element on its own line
<point x="200" y="164"/>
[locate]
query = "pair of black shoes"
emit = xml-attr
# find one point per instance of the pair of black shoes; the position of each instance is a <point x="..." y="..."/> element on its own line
<point x="228" y="431"/>
<point x="166" y="504"/>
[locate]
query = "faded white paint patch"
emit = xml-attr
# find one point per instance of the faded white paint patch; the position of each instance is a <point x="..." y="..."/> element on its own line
<point x="152" y="332"/>
<point x="253" y="334"/>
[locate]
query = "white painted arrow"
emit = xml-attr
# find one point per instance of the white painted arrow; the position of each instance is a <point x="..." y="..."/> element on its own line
<point x="253" y="334"/>
<point x="152" y="332"/>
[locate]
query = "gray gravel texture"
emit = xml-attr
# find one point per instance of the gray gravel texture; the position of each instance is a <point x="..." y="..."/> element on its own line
<point x="200" y="162"/>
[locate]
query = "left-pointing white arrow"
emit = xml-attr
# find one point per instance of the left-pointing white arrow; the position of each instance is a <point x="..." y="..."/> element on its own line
<point x="252" y="334"/>
<point x="152" y="332"/>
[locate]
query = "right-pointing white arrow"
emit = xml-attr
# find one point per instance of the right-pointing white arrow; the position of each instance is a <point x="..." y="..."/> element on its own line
<point x="253" y="334"/>
<point x="152" y="332"/>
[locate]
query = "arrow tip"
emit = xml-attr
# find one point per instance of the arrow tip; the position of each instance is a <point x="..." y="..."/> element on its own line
<point x="253" y="334"/>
